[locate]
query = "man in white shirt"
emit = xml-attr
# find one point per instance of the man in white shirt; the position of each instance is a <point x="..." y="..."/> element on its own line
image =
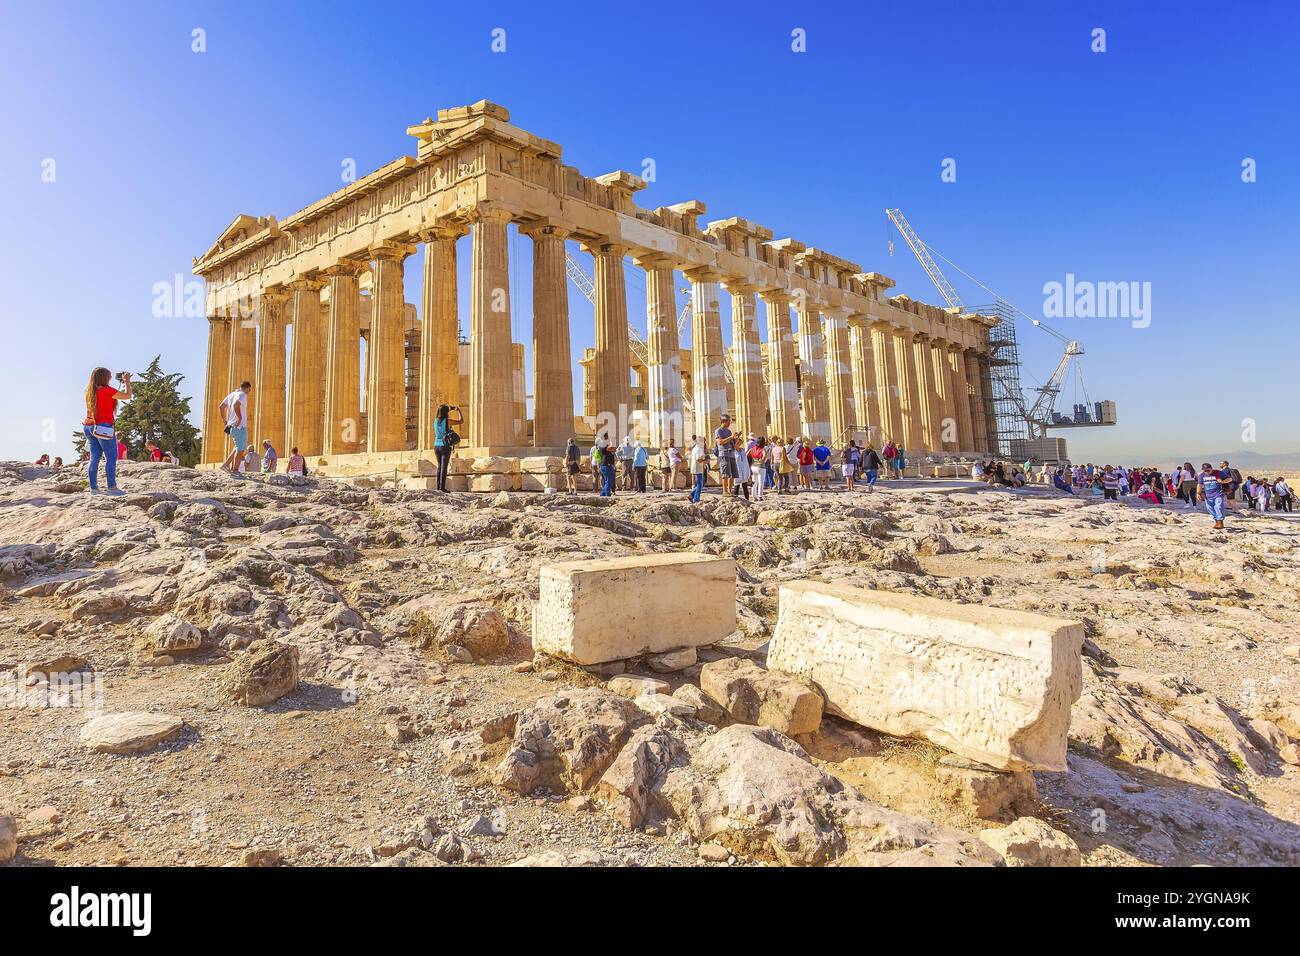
<point x="234" y="412"/>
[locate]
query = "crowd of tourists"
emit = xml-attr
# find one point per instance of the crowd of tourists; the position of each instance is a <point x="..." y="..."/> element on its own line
<point x="747" y="466"/>
<point x="1218" y="489"/>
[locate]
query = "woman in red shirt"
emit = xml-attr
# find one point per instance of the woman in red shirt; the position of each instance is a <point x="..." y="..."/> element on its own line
<point x="101" y="435"/>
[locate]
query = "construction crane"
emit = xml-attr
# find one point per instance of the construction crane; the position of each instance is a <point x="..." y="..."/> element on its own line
<point x="1008" y="397"/>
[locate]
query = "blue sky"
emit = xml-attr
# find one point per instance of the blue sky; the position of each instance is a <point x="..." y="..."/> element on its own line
<point x="1115" y="166"/>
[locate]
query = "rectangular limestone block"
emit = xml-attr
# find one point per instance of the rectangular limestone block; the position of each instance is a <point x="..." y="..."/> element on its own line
<point x="495" y="465"/>
<point x="419" y="484"/>
<point x="494" y="482"/>
<point x="457" y="482"/>
<point x="993" y="685"/>
<point x="541" y="464"/>
<point x="533" y="482"/>
<point x="590" y="612"/>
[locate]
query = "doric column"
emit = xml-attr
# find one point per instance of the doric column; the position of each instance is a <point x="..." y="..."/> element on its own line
<point x="909" y="399"/>
<point x="269" y="381"/>
<point x="243" y="358"/>
<point x="839" y="375"/>
<point x="708" y="382"/>
<point x="611" y="367"/>
<point x="812" y="372"/>
<point x="886" y="380"/>
<point x="990" y="410"/>
<point x="864" y="383"/>
<point x="491" y="377"/>
<point x="306" y="425"/>
<point x="924" y="370"/>
<point x="552" y="362"/>
<point x="386" y="350"/>
<point x="342" y="429"/>
<point x="960" y="398"/>
<point x="214" y="389"/>
<point x="979" y="418"/>
<point x="783" y="390"/>
<point x="947" y="430"/>
<point x="439" y="328"/>
<point x="750" y="410"/>
<point x="663" y="354"/>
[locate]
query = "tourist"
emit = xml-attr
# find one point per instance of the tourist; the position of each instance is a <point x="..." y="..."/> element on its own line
<point x="900" y="460"/>
<point x="977" y="471"/>
<point x="699" y="468"/>
<point x="1263" y="491"/>
<point x="1187" y="484"/>
<point x="743" y="473"/>
<point x="251" y="463"/>
<point x="724" y="442"/>
<point x="1210" y="488"/>
<point x="1059" y="482"/>
<point x="43" y="460"/>
<point x="297" y="465"/>
<point x="608" y="457"/>
<point x="572" y="459"/>
<point x="99" y="426"/>
<point x="822" y="465"/>
<point x="444" y="440"/>
<point x="870" y="466"/>
<point x="58" y="463"/>
<point x="670" y="457"/>
<point x="1281" y="494"/>
<point x="121" y="449"/>
<point x="1232" y="478"/>
<point x="640" y="461"/>
<point x="270" y="457"/>
<point x="889" y="453"/>
<point x="626" y="455"/>
<point x="234" y="412"/>
<point x="804" y="455"/>
<point x="758" y="465"/>
<point x="849" y="459"/>
<point x="155" y="453"/>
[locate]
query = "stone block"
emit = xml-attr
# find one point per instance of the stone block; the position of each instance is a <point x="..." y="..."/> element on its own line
<point x="494" y="482"/>
<point x="992" y="685"/>
<point x="529" y="481"/>
<point x="457" y="482"/>
<point x="751" y="695"/>
<point x="542" y="464"/>
<point x="611" y="609"/>
<point x="495" y="465"/>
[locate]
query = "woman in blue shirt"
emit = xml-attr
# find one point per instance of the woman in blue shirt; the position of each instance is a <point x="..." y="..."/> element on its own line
<point x="442" y="443"/>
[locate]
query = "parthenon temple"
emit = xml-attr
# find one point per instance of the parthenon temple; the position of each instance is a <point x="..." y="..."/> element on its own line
<point x="311" y="309"/>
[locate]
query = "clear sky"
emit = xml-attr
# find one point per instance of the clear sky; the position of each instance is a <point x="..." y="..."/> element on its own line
<point x="1116" y="166"/>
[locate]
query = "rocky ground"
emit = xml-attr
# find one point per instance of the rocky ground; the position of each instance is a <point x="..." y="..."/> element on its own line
<point x="321" y="673"/>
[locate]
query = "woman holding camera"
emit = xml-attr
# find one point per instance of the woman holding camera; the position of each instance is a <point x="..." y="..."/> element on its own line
<point x="100" y="428"/>
<point x="444" y="440"/>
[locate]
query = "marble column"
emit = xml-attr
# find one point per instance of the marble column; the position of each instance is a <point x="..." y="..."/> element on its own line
<point x="947" y="437"/>
<point x="839" y="376"/>
<point x="306" y="424"/>
<point x="386" y="350"/>
<point x="882" y="337"/>
<point x="990" y="410"/>
<point x="812" y="373"/>
<point x="961" y="398"/>
<point x="708" y="383"/>
<point x="783" y="390"/>
<point x="979" y="419"/>
<point x="909" y="399"/>
<point x="552" y="358"/>
<point x="439" y="328"/>
<point x="243" y="359"/>
<point x="663" y="353"/>
<point x="269" y="381"/>
<point x="342" y="428"/>
<point x="924" y="370"/>
<point x="215" y="389"/>
<point x="611" y="367"/>
<point x="491" y="376"/>
<point x="750" y="409"/>
<point x="864" y="383"/>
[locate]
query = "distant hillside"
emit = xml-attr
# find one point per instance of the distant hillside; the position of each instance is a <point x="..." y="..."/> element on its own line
<point x="1248" y="460"/>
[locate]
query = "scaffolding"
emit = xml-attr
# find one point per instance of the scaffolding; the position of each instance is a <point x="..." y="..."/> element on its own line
<point x="1009" y="412"/>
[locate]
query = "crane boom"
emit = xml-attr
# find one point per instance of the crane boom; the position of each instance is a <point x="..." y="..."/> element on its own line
<point x="922" y="254"/>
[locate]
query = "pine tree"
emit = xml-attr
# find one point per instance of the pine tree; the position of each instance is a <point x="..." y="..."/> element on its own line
<point x="155" y="412"/>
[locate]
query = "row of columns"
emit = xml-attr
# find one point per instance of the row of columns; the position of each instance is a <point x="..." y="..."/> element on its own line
<point x="854" y="381"/>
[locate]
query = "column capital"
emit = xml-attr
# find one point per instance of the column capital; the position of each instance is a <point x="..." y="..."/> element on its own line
<point x="740" y="286"/>
<point x="273" y="294"/>
<point x="391" y="250"/>
<point x="345" y="267"/>
<point x="545" y="228"/>
<point x="218" y="317"/>
<point x="883" y="325"/>
<point x="604" y="247"/>
<point x="656" y="260"/>
<point x="489" y="213"/>
<point x="703" y="274"/>
<point x="445" y="229"/>
<point x="780" y="296"/>
<point x="306" y="284"/>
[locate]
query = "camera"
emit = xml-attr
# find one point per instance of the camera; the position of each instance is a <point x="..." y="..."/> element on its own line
<point x="123" y="376"/>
